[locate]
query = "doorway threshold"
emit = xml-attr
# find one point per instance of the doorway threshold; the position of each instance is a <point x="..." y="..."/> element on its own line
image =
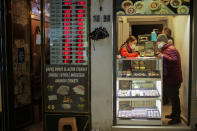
<point x="151" y="128"/>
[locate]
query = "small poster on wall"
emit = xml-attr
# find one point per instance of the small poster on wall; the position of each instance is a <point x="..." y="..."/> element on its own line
<point x="67" y="88"/>
<point x="21" y="55"/>
<point x="152" y="7"/>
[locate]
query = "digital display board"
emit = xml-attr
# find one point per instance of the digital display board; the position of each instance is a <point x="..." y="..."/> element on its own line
<point x="66" y="75"/>
<point x="68" y="32"/>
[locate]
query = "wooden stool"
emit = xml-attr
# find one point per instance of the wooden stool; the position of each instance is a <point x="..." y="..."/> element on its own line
<point x="67" y="121"/>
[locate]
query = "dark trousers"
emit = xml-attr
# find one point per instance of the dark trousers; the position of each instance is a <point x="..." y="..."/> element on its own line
<point x="173" y="94"/>
<point x="165" y="96"/>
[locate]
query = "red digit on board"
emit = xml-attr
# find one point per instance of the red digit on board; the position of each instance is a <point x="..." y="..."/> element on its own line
<point x="68" y="15"/>
<point x="67" y="28"/>
<point x="80" y="44"/>
<point x="80" y="11"/>
<point x="68" y="11"/>
<point x="80" y="28"/>
<point x="80" y="19"/>
<point x="80" y="15"/>
<point x="67" y="3"/>
<point x="81" y="23"/>
<point x="81" y="3"/>
<point x="80" y="61"/>
<point x="67" y="44"/>
<point x="80" y="32"/>
<point x="66" y="53"/>
<point x="80" y="57"/>
<point x="67" y="61"/>
<point x="79" y="53"/>
<point x="81" y="48"/>
<point x="67" y="49"/>
<point x="80" y="36"/>
<point x="67" y="32"/>
<point x="67" y="24"/>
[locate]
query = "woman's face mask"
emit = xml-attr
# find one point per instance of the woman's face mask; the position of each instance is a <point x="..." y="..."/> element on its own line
<point x="133" y="46"/>
<point x="160" y="45"/>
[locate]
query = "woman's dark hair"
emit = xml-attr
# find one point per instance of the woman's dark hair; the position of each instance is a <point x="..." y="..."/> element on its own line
<point x="131" y="39"/>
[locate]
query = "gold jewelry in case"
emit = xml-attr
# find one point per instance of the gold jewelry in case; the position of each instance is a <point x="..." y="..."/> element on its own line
<point x="139" y="65"/>
<point x="142" y="65"/>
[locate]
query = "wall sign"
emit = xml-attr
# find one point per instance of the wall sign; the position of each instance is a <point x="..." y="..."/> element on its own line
<point x="152" y="7"/>
<point x="68" y="32"/>
<point x="67" y="88"/>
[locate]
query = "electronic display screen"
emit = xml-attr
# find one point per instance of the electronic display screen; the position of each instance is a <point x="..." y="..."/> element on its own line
<point x="68" y="32"/>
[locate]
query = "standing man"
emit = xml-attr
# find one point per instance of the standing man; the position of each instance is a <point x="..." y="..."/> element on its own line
<point x="172" y="75"/>
<point x="167" y="31"/>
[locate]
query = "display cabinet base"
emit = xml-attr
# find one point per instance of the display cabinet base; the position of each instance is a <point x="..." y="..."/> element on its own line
<point x="151" y="128"/>
<point x="138" y="122"/>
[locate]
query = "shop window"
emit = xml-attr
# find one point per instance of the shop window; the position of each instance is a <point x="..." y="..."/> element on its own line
<point x="139" y="72"/>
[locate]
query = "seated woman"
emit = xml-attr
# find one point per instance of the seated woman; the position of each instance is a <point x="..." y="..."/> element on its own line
<point x="128" y="48"/>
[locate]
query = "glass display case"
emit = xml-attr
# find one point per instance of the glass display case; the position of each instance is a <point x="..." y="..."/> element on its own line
<point x="139" y="91"/>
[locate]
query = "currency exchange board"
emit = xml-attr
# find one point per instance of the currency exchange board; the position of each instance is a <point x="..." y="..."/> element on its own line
<point x="66" y="75"/>
<point x="68" y="32"/>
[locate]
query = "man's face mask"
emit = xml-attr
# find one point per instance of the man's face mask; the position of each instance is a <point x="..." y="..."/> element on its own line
<point x="160" y="45"/>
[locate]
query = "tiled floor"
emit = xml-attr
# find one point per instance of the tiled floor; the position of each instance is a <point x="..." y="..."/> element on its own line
<point x="166" y="110"/>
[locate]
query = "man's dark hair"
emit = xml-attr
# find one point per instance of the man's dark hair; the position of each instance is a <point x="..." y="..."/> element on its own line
<point x="168" y="31"/>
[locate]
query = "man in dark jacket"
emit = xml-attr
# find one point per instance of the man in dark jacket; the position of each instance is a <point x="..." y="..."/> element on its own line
<point x="172" y="75"/>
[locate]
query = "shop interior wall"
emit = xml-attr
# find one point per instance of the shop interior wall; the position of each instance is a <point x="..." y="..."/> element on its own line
<point x="182" y="42"/>
<point x="102" y="70"/>
<point x="123" y="30"/>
